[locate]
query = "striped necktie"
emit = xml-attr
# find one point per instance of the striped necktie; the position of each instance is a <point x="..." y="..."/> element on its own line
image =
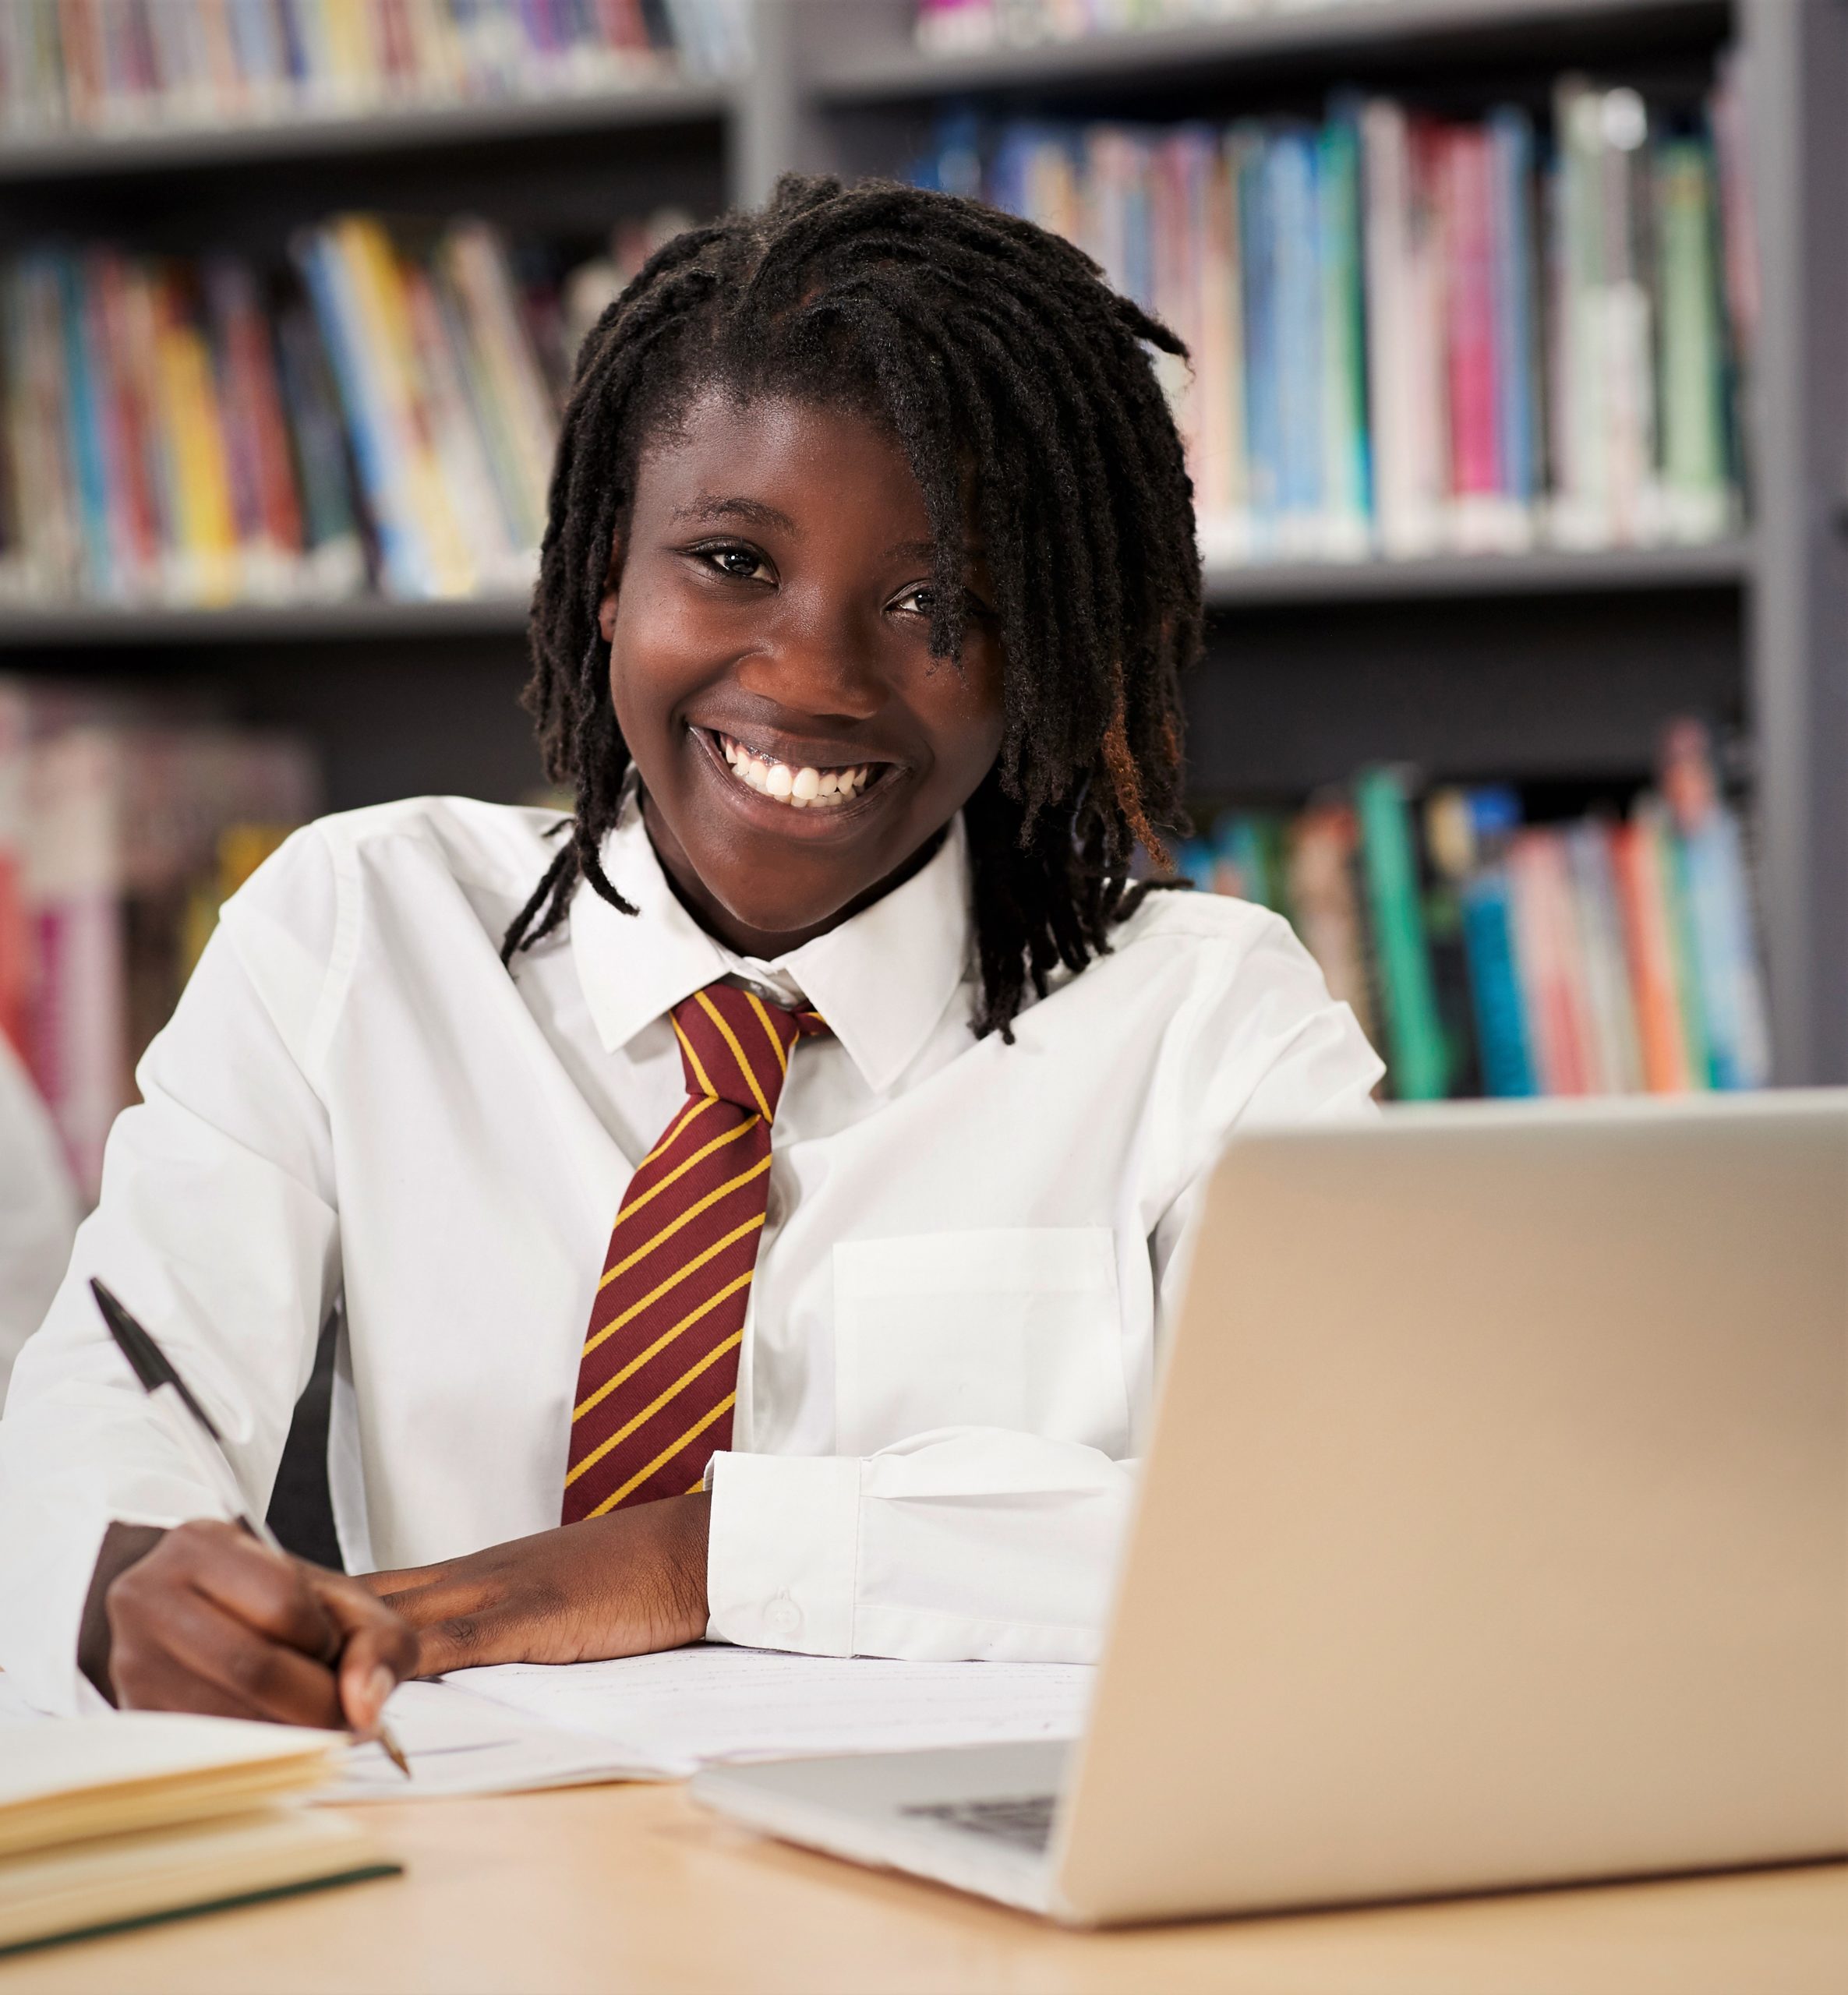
<point x="659" y="1372"/>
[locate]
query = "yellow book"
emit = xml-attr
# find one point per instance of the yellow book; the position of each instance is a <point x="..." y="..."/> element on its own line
<point x="378" y="287"/>
<point x="194" y="443"/>
<point x="117" y="1821"/>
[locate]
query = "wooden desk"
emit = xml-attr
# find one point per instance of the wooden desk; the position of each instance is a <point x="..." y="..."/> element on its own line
<point x="636" y="1888"/>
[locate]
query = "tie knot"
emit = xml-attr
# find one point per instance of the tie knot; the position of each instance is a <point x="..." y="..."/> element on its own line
<point x="735" y="1045"/>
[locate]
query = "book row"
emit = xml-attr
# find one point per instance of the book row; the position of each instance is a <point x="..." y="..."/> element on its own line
<point x="123" y="825"/>
<point x="199" y="431"/>
<point x="1413" y="334"/>
<point x="946" y="27"/>
<point x="1608" y="954"/>
<point x="112" y="65"/>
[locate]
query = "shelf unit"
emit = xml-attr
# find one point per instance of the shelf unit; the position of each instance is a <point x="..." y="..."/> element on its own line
<point x="1549" y="664"/>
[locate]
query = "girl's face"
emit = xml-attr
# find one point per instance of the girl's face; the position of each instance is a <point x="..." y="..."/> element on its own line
<point x="768" y="615"/>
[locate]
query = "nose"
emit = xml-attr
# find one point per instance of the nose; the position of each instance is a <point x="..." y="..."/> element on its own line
<point x="818" y="659"/>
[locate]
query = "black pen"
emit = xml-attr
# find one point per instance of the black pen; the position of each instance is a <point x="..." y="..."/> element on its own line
<point x="198" y="1433"/>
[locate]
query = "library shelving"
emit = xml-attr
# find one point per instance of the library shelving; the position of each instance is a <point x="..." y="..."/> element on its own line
<point x="1547" y="664"/>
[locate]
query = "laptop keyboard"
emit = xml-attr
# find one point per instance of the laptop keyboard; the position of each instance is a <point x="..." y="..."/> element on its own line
<point x="1025" y="1821"/>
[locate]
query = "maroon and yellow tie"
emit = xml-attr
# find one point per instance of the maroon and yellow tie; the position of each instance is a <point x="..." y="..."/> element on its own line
<point x="660" y="1373"/>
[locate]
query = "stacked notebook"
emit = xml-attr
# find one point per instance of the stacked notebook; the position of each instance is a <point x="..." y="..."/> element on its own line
<point x="112" y="1822"/>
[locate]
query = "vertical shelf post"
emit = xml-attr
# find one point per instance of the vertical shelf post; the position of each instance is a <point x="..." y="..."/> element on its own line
<point x="1796" y="52"/>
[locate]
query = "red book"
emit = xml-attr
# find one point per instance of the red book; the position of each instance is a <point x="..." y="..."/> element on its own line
<point x="1551" y="960"/>
<point x="1637" y="853"/>
<point x="1466" y="194"/>
<point x="132" y="499"/>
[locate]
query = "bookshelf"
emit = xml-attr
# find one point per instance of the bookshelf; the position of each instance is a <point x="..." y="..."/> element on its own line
<point x="1547" y="663"/>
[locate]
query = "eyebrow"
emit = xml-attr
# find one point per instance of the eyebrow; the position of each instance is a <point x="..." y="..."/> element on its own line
<point x="709" y="506"/>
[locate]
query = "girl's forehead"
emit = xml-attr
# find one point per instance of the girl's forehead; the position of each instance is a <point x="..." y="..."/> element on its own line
<point x="724" y="443"/>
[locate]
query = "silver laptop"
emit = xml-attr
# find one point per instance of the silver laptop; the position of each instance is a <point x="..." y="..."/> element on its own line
<point x="1493" y="1532"/>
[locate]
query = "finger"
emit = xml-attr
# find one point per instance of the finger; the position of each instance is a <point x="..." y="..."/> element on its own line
<point x="379" y="1649"/>
<point x="196" y="1657"/>
<point x="277" y="1682"/>
<point x="268" y="1593"/>
<point x="152" y="1680"/>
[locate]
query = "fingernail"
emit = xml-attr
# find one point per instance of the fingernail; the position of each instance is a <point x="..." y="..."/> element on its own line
<point x="379" y="1686"/>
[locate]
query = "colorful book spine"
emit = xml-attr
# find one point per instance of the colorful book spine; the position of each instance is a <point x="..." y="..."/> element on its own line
<point x="1417" y="1057"/>
<point x="1587" y="955"/>
<point x="1411" y="334"/>
<point x="1662" y="1032"/>
<point x="1346" y="473"/>
<point x="111" y="65"/>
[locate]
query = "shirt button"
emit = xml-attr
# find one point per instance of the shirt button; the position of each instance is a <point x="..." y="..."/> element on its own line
<point x="782" y="1616"/>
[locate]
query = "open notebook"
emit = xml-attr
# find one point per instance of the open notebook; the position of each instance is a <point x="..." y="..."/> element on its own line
<point x="109" y="1822"/>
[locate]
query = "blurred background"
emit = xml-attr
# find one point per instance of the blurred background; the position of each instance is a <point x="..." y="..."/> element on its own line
<point x="1518" y="418"/>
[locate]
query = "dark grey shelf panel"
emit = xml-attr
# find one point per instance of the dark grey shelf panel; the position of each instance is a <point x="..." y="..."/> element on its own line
<point x="856" y="70"/>
<point x="1725" y="564"/>
<point x="1302" y="584"/>
<point x="77" y="156"/>
<point x="366" y="620"/>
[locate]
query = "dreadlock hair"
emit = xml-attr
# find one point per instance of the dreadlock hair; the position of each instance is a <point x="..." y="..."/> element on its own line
<point x="1004" y="365"/>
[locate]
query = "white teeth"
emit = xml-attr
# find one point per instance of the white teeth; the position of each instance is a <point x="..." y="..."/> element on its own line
<point x="805" y="788"/>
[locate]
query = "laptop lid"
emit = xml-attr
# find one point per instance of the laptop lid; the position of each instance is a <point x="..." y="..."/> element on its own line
<point x="1494" y="1527"/>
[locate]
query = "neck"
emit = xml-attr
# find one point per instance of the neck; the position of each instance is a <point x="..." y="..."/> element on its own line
<point x="737" y="934"/>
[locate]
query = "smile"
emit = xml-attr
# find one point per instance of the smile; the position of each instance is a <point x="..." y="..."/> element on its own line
<point x="806" y="788"/>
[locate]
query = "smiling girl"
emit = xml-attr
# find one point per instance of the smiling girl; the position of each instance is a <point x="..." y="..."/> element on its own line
<point x="751" y="1203"/>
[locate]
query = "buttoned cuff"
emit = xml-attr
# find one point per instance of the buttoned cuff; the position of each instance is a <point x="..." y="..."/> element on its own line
<point x="783" y="1551"/>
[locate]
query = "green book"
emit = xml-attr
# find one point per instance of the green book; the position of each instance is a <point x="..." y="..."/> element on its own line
<point x="1693" y="359"/>
<point x="1417" y="1053"/>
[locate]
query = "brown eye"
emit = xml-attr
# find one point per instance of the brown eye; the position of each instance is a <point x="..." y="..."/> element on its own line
<point x="743" y="564"/>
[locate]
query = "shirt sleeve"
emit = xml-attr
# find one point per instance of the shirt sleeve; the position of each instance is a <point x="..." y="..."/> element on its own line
<point x="987" y="1544"/>
<point x="38" y="1210"/>
<point x="217" y="1227"/>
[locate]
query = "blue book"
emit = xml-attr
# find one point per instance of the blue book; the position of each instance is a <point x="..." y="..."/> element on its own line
<point x="1518" y="438"/>
<point x="1495" y="985"/>
<point x="401" y="556"/>
<point x="1263" y="404"/>
<point x="953" y="165"/>
<point x="1139" y="228"/>
<point x="1291" y="181"/>
<point x="84" y="423"/>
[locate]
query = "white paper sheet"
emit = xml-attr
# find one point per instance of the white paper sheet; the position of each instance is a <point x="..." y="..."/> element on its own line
<point x="457" y="1744"/>
<point x="690" y="1708"/>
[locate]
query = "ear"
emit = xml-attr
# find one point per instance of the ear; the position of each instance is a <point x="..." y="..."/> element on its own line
<point x="612" y="577"/>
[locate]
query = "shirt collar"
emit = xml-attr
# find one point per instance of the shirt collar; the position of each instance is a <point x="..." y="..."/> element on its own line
<point x="881" y="980"/>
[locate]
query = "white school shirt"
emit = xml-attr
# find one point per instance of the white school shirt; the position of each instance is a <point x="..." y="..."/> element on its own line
<point x="951" y="1340"/>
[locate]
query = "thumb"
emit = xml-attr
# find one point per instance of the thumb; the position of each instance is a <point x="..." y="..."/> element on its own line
<point x="378" y="1650"/>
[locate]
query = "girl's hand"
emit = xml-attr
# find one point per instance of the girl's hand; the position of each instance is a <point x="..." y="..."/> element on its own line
<point x="624" y="1584"/>
<point x="210" y="1620"/>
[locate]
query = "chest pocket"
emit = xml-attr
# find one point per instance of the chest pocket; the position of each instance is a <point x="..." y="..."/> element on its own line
<point x="1016" y="1328"/>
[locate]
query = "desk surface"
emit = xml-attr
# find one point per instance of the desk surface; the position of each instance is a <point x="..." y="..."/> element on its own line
<point x="638" y="1888"/>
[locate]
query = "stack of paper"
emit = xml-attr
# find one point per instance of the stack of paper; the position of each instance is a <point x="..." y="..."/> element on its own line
<point x="109" y="1822"/>
<point x="662" y="1717"/>
<point x="673" y="1713"/>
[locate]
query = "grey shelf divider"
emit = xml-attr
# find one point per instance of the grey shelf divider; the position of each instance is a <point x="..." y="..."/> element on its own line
<point x="1297" y="585"/>
<point x="156" y="628"/>
<point x="838" y="86"/>
<point x="860" y="62"/>
<point x="409" y="128"/>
